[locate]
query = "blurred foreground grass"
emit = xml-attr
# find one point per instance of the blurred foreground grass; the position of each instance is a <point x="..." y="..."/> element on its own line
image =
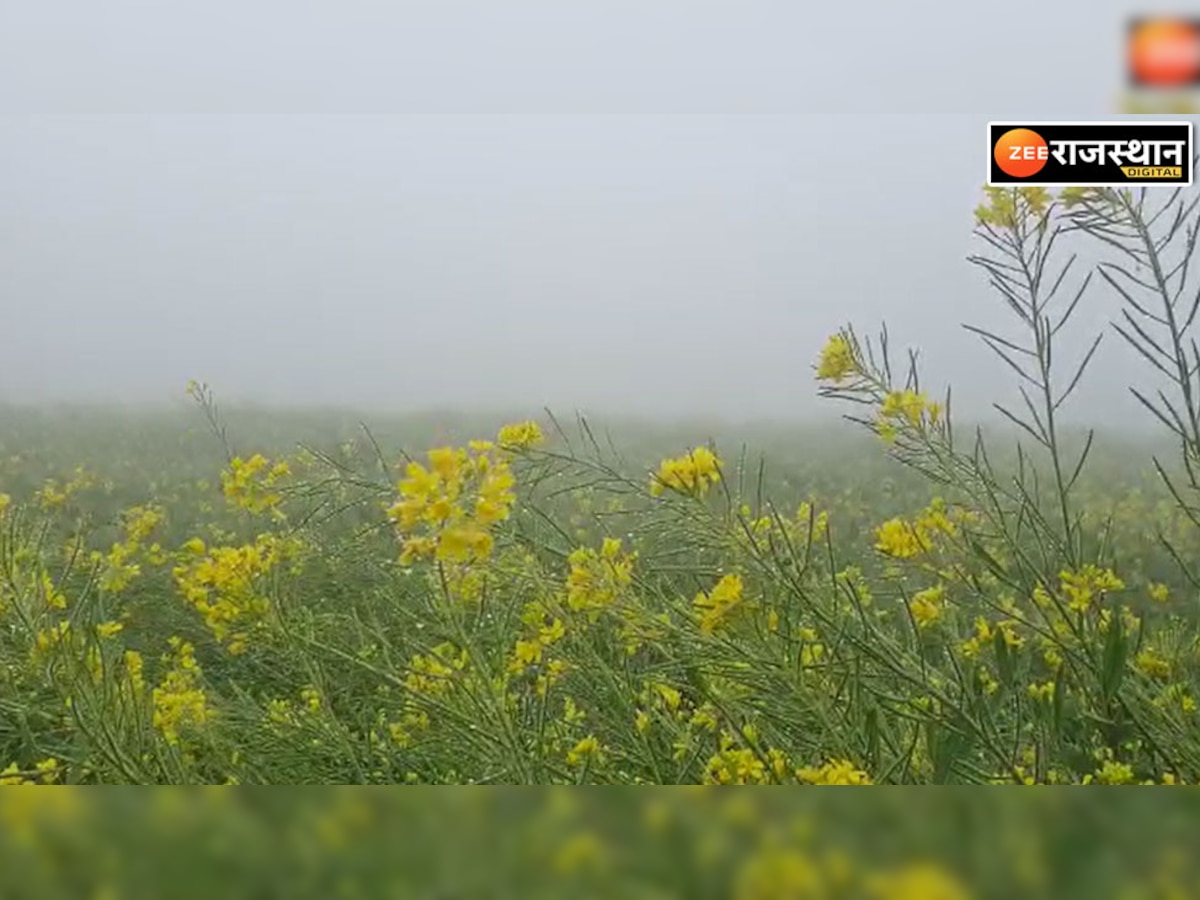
<point x="555" y="843"/>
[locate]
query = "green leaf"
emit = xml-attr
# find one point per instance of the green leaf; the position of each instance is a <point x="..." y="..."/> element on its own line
<point x="1116" y="651"/>
<point x="1060" y="682"/>
<point x="1005" y="663"/>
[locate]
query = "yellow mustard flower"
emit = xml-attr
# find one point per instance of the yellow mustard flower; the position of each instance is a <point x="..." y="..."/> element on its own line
<point x="692" y="474"/>
<point x="833" y="772"/>
<point x="719" y="605"/>
<point x="520" y="436"/>
<point x="837" y="361"/>
<point x="927" y="605"/>
<point x="901" y="540"/>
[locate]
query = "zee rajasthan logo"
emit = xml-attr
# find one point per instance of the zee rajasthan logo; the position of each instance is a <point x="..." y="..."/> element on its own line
<point x="1099" y="154"/>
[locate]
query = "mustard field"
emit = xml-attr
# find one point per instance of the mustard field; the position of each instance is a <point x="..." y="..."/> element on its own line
<point x="249" y="598"/>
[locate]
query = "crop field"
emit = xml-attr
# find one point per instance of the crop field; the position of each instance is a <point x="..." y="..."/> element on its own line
<point x="213" y="596"/>
<point x="239" y="597"/>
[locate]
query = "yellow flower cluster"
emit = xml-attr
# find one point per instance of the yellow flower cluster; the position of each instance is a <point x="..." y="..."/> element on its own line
<point x="838" y="360"/>
<point x="596" y="585"/>
<point x="1084" y="586"/>
<point x="51" y="496"/>
<point x="140" y="523"/>
<point x="51" y="595"/>
<point x="1152" y="664"/>
<point x="223" y="584"/>
<point x="744" y="765"/>
<point x="281" y="714"/>
<point x="745" y="762"/>
<point x="180" y="704"/>
<point x="430" y="675"/>
<point x="720" y="604"/>
<point x="1129" y="620"/>
<point x="134" y="666"/>
<point x="520" y="436"/>
<point x="447" y="510"/>
<point x="544" y="631"/>
<point x="836" y="771"/>
<point x="110" y="629"/>
<point x="692" y="474"/>
<point x="819" y="522"/>
<point x="404" y="731"/>
<point x="1043" y="692"/>
<point x="587" y="750"/>
<point x="806" y="527"/>
<point x="927" y="605"/>
<point x="249" y="483"/>
<point x="900" y="539"/>
<point x="986" y="634"/>
<point x="597" y="579"/>
<point x="46" y="771"/>
<point x="904" y="540"/>
<point x="49" y="638"/>
<point x="1007" y="207"/>
<point x="117" y="567"/>
<point x="907" y="408"/>
<point x="812" y="651"/>
<point x="662" y="703"/>
<point x="1110" y="773"/>
<point x="1178" y="696"/>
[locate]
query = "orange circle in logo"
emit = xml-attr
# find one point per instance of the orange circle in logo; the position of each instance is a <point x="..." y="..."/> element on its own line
<point x="1164" y="53"/>
<point x="1021" y="152"/>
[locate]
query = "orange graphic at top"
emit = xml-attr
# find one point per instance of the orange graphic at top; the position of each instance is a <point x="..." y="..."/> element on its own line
<point x="1164" y="52"/>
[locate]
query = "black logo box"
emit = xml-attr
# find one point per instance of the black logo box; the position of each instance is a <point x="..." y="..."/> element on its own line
<point x="1102" y="174"/>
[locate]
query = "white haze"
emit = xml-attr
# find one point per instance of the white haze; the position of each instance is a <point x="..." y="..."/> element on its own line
<point x="385" y="212"/>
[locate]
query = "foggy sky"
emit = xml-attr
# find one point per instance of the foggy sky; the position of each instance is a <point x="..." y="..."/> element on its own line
<point x="526" y="219"/>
